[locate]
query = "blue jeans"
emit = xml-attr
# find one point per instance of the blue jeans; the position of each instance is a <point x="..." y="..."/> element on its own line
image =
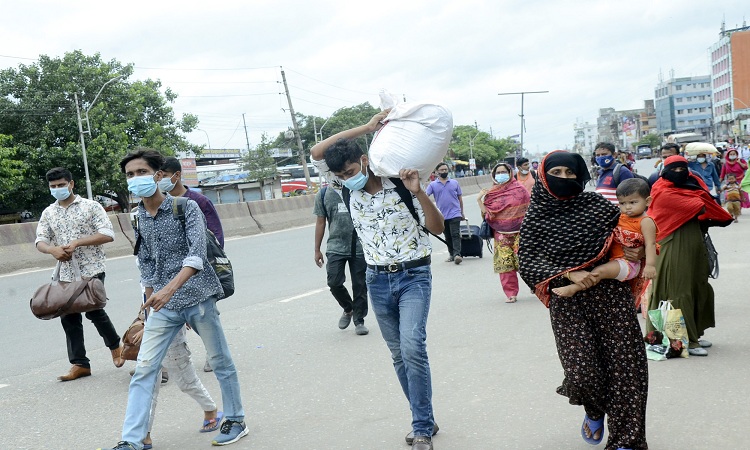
<point x="161" y="328"/>
<point x="401" y="302"/>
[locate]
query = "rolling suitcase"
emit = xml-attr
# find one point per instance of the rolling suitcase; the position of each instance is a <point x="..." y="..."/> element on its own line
<point x="471" y="243"/>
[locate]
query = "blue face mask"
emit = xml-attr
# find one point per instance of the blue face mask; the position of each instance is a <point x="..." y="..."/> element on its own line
<point x="502" y="177"/>
<point x="166" y="185"/>
<point x="605" y="161"/>
<point x="358" y="181"/>
<point x="60" y="193"/>
<point x="143" y="186"/>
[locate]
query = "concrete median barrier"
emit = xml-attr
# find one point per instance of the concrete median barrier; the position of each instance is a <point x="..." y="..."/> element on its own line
<point x="236" y="219"/>
<point x="281" y="213"/>
<point x="468" y="185"/>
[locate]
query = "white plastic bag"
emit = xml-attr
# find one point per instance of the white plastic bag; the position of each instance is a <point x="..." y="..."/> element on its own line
<point x="415" y="136"/>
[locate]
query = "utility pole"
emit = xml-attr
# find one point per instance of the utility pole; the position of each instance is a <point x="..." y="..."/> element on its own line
<point x="246" y="138"/>
<point x="83" y="148"/>
<point x="523" y="124"/>
<point x="302" y="159"/>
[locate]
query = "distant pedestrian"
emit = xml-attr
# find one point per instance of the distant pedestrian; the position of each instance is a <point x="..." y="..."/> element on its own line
<point x="73" y="230"/>
<point x="397" y="250"/>
<point x="733" y="196"/>
<point x="683" y="209"/>
<point x="504" y="206"/>
<point x="565" y="234"/>
<point x="613" y="172"/>
<point x="449" y="200"/>
<point x="737" y="166"/>
<point x="526" y="175"/>
<point x="707" y="171"/>
<point x="181" y="288"/>
<point x="342" y="248"/>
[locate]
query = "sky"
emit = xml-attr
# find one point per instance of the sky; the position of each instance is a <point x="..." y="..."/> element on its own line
<point x="224" y="58"/>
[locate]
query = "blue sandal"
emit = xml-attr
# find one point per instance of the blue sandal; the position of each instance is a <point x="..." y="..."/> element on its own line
<point x="594" y="426"/>
<point x="212" y="424"/>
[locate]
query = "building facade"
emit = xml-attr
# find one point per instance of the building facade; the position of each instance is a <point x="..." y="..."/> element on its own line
<point x="730" y="83"/>
<point x="585" y="135"/>
<point x="684" y="105"/>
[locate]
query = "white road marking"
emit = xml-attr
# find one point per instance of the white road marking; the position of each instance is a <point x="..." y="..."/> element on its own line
<point x="306" y="294"/>
<point x="4" y="385"/>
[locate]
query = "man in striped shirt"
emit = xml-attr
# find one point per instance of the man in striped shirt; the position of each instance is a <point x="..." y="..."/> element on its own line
<point x="612" y="174"/>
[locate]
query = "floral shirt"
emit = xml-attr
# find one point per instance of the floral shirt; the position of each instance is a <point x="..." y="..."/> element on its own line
<point x="167" y="246"/>
<point x="385" y="226"/>
<point x="59" y="226"/>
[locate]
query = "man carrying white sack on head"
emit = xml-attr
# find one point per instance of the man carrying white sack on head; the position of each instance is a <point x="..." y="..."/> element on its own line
<point x="388" y="214"/>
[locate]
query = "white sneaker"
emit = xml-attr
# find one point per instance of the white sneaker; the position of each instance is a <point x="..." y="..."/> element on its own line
<point x="697" y="352"/>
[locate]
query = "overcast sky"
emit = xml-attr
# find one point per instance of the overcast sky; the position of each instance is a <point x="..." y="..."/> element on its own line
<point x="223" y="58"/>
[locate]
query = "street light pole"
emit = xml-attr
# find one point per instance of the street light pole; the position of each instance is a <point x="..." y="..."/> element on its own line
<point x="88" y="130"/>
<point x="207" y="139"/>
<point x="471" y="147"/>
<point x="522" y="120"/>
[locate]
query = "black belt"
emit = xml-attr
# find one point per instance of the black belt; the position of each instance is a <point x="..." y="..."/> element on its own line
<point x="397" y="267"/>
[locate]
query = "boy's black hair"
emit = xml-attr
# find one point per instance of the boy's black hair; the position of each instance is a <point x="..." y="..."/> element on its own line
<point x="342" y="152"/>
<point x="671" y="146"/>
<point x="521" y="161"/>
<point x="440" y="165"/>
<point x="731" y="175"/>
<point x="59" y="173"/>
<point x="171" y="165"/>
<point x="605" y="146"/>
<point x="633" y="186"/>
<point x="154" y="159"/>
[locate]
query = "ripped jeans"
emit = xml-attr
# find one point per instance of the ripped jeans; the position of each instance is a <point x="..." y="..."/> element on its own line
<point x="161" y="328"/>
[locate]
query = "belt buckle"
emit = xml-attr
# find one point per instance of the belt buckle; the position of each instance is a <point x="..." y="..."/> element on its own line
<point x="392" y="268"/>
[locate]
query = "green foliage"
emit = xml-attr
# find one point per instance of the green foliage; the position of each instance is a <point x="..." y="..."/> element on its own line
<point x="487" y="151"/>
<point x="652" y="140"/>
<point x="11" y="167"/>
<point x="259" y="161"/>
<point x="37" y="108"/>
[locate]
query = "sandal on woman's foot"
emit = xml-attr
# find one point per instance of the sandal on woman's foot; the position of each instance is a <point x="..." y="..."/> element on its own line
<point x="511" y="300"/>
<point x="148" y="446"/>
<point x="210" y="425"/>
<point x="595" y="426"/>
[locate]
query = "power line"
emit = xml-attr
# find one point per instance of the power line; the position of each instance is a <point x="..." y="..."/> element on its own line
<point x="329" y="84"/>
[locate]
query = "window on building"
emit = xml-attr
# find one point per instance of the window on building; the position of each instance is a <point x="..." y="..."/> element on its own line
<point x="678" y="88"/>
<point x="703" y="120"/>
<point x="678" y="99"/>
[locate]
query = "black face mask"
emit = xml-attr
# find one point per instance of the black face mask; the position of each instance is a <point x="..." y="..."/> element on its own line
<point x="564" y="187"/>
<point x="443" y="175"/>
<point x="678" y="178"/>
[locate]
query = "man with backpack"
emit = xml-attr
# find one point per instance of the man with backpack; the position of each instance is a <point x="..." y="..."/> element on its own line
<point x="612" y="172"/>
<point x="172" y="183"/>
<point x="342" y="247"/>
<point x="387" y="214"/>
<point x="181" y="288"/>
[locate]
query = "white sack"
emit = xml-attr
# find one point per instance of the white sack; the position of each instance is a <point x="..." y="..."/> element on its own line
<point x="415" y="136"/>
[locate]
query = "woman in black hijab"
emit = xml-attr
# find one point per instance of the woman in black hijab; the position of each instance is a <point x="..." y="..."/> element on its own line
<point x="565" y="234"/>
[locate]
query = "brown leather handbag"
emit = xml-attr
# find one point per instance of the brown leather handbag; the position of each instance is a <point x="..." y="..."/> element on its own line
<point x="130" y="347"/>
<point x="58" y="298"/>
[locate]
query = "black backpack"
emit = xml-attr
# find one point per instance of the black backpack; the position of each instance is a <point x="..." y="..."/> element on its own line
<point x="215" y="254"/>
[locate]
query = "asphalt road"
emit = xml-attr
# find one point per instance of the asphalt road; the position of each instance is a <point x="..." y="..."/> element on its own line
<point x="307" y="384"/>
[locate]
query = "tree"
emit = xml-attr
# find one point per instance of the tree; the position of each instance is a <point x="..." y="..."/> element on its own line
<point x="651" y="140"/>
<point x="37" y="109"/>
<point x="11" y="168"/>
<point x="259" y="161"/>
<point x="486" y="150"/>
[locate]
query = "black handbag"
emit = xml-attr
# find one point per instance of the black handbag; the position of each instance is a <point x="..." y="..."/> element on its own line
<point x="713" y="257"/>
<point x="486" y="231"/>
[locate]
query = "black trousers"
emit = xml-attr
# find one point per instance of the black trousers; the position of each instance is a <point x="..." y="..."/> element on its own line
<point x="452" y="233"/>
<point x="73" y="326"/>
<point x="335" y="268"/>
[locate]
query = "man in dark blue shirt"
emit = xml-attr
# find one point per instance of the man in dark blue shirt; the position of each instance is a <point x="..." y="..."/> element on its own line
<point x="181" y="288"/>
